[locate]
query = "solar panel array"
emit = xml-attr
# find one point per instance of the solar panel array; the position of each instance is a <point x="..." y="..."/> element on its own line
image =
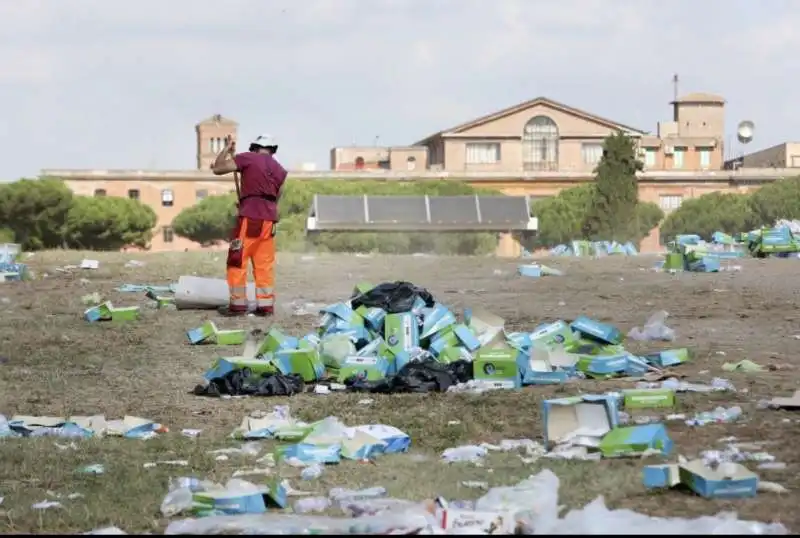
<point x="408" y="213"/>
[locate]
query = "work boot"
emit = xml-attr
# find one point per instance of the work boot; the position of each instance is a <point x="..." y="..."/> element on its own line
<point x="265" y="312"/>
<point x="230" y="313"/>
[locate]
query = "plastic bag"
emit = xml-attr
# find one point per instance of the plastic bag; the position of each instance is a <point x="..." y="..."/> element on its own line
<point x="393" y="297"/>
<point x="654" y="329"/>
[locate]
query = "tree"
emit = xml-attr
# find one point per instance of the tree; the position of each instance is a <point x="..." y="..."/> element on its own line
<point x="108" y="223"/>
<point x="730" y="213"/>
<point x="613" y="212"/>
<point x="35" y="211"/>
<point x="564" y="218"/>
<point x="208" y="222"/>
<point x="777" y="200"/>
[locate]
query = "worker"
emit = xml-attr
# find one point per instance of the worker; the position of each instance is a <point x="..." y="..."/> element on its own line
<point x="253" y="238"/>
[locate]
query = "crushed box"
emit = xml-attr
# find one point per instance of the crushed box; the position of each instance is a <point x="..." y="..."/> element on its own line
<point x="581" y="420"/>
<point x="728" y="481"/>
<point x="635" y="440"/>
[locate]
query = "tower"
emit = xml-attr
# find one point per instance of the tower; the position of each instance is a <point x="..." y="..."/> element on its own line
<point x="211" y="134"/>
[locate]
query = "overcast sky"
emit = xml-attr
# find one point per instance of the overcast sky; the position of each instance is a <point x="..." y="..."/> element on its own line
<point x="114" y="84"/>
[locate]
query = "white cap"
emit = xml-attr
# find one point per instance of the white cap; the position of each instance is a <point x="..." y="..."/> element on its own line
<point x="265" y="141"/>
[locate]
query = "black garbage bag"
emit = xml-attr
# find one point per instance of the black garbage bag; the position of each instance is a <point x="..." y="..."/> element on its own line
<point x="237" y="383"/>
<point x="418" y="376"/>
<point x="393" y="297"/>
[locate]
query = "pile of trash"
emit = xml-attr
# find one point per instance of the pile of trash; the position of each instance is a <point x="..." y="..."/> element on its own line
<point x="395" y="337"/>
<point x="596" y="249"/>
<point x="102" y="310"/>
<point x="79" y="427"/>
<point x="10" y="269"/>
<point x="529" y="507"/>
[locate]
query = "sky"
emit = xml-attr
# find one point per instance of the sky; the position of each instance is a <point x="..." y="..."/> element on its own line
<point x="113" y="84"/>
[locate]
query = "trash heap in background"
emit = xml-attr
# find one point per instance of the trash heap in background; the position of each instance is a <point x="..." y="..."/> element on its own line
<point x="396" y="337"/>
<point x="586" y="249"/>
<point x="10" y="270"/>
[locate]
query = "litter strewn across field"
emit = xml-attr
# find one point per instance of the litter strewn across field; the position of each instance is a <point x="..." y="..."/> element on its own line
<point x="558" y="391"/>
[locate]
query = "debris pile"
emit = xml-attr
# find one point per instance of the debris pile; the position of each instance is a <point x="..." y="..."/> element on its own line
<point x="10" y="269"/>
<point x="596" y="249"/>
<point x="79" y="427"/>
<point x="395" y="337"/>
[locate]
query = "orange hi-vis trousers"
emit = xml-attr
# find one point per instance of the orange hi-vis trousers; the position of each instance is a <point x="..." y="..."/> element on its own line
<point x="253" y="241"/>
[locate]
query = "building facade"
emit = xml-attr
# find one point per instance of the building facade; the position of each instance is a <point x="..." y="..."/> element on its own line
<point x="786" y="155"/>
<point x="543" y="135"/>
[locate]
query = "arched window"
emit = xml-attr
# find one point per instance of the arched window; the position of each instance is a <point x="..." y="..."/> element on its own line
<point x="359" y="163"/>
<point x="411" y="162"/>
<point x="540" y="144"/>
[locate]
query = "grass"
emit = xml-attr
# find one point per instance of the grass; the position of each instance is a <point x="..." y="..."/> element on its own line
<point x="54" y="363"/>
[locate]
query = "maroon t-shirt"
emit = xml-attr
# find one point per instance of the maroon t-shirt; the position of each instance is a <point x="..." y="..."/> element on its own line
<point x="261" y="180"/>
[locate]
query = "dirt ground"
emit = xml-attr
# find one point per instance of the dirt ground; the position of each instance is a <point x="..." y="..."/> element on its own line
<point x="54" y="363"/>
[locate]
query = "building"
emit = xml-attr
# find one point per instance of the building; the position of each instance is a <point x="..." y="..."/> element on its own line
<point x="536" y="148"/>
<point x="786" y="155"/>
<point x="543" y="135"/>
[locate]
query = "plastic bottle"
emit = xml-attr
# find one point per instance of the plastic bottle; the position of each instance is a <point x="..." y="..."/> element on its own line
<point x="311" y="472"/>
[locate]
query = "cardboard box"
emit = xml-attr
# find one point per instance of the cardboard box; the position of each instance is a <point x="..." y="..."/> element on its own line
<point x="519" y="340"/>
<point x="728" y="481"/>
<point x="484" y="325"/>
<point x="101" y="312"/>
<point x="362" y="287"/>
<point x="667" y="358"/>
<point x="648" y="398"/>
<point x="635" y="440"/>
<point x="396" y="441"/>
<point x="790" y="403"/>
<point x="548" y="334"/>
<point x="304" y="362"/>
<point x="227" y="502"/>
<point x="436" y="319"/>
<point x="530" y="270"/>
<point x="603" y="365"/>
<point x="276" y="340"/>
<point x="540" y="371"/>
<point x="499" y="365"/>
<point x="249" y="367"/>
<point x="373" y="317"/>
<point x="230" y="337"/>
<point x="401" y="332"/>
<point x="362" y="446"/>
<point x="371" y="368"/>
<point x="460" y="521"/>
<point x="309" y="454"/>
<point x="125" y="313"/>
<point x="661" y="476"/>
<point x="596" y="330"/>
<point x="466" y="337"/>
<point x="581" y="420"/>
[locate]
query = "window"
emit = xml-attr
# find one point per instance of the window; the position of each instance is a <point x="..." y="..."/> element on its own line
<point x="167" y="234"/>
<point x="133" y="194"/>
<point x="592" y="152"/>
<point x="167" y="198"/>
<point x="705" y="158"/>
<point x="211" y="145"/>
<point x="650" y="157"/>
<point x="359" y="163"/>
<point x="540" y="144"/>
<point x="99" y="192"/>
<point x="677" y="158"/>
<point x="670" y="202"/>
<point x="477" y="153"/>
<point x="411" y="162"/>
<point x="201" y="194"/>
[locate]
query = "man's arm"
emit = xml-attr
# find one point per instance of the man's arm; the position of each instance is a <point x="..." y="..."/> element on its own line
<point x="225" y="162"/>
<point x="277" y="172"/>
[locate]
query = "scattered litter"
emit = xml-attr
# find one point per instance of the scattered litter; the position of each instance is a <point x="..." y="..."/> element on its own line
<point x="655" y="329"/>
<point x="44" y="505"/>
<point x="186" y="432"/>
<point x="171" y="463"/>
<point x="108" y="312"/>
<point x="90" y="264"/>
<point x="134" y="263"/>
<point x="742" y="366"/>
<point x="92" y="299"/>
<point x="96" y="468"/>
<point x="208" y="333"/>
<point x="79" y="427"/>
<point x="107" y="530"/>
<point x="475" y="484"/>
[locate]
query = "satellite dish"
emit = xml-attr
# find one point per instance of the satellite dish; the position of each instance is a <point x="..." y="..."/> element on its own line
<point x="745" y="131"/>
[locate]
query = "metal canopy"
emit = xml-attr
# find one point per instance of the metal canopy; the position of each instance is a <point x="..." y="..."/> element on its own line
<point x="471" y="213"/>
